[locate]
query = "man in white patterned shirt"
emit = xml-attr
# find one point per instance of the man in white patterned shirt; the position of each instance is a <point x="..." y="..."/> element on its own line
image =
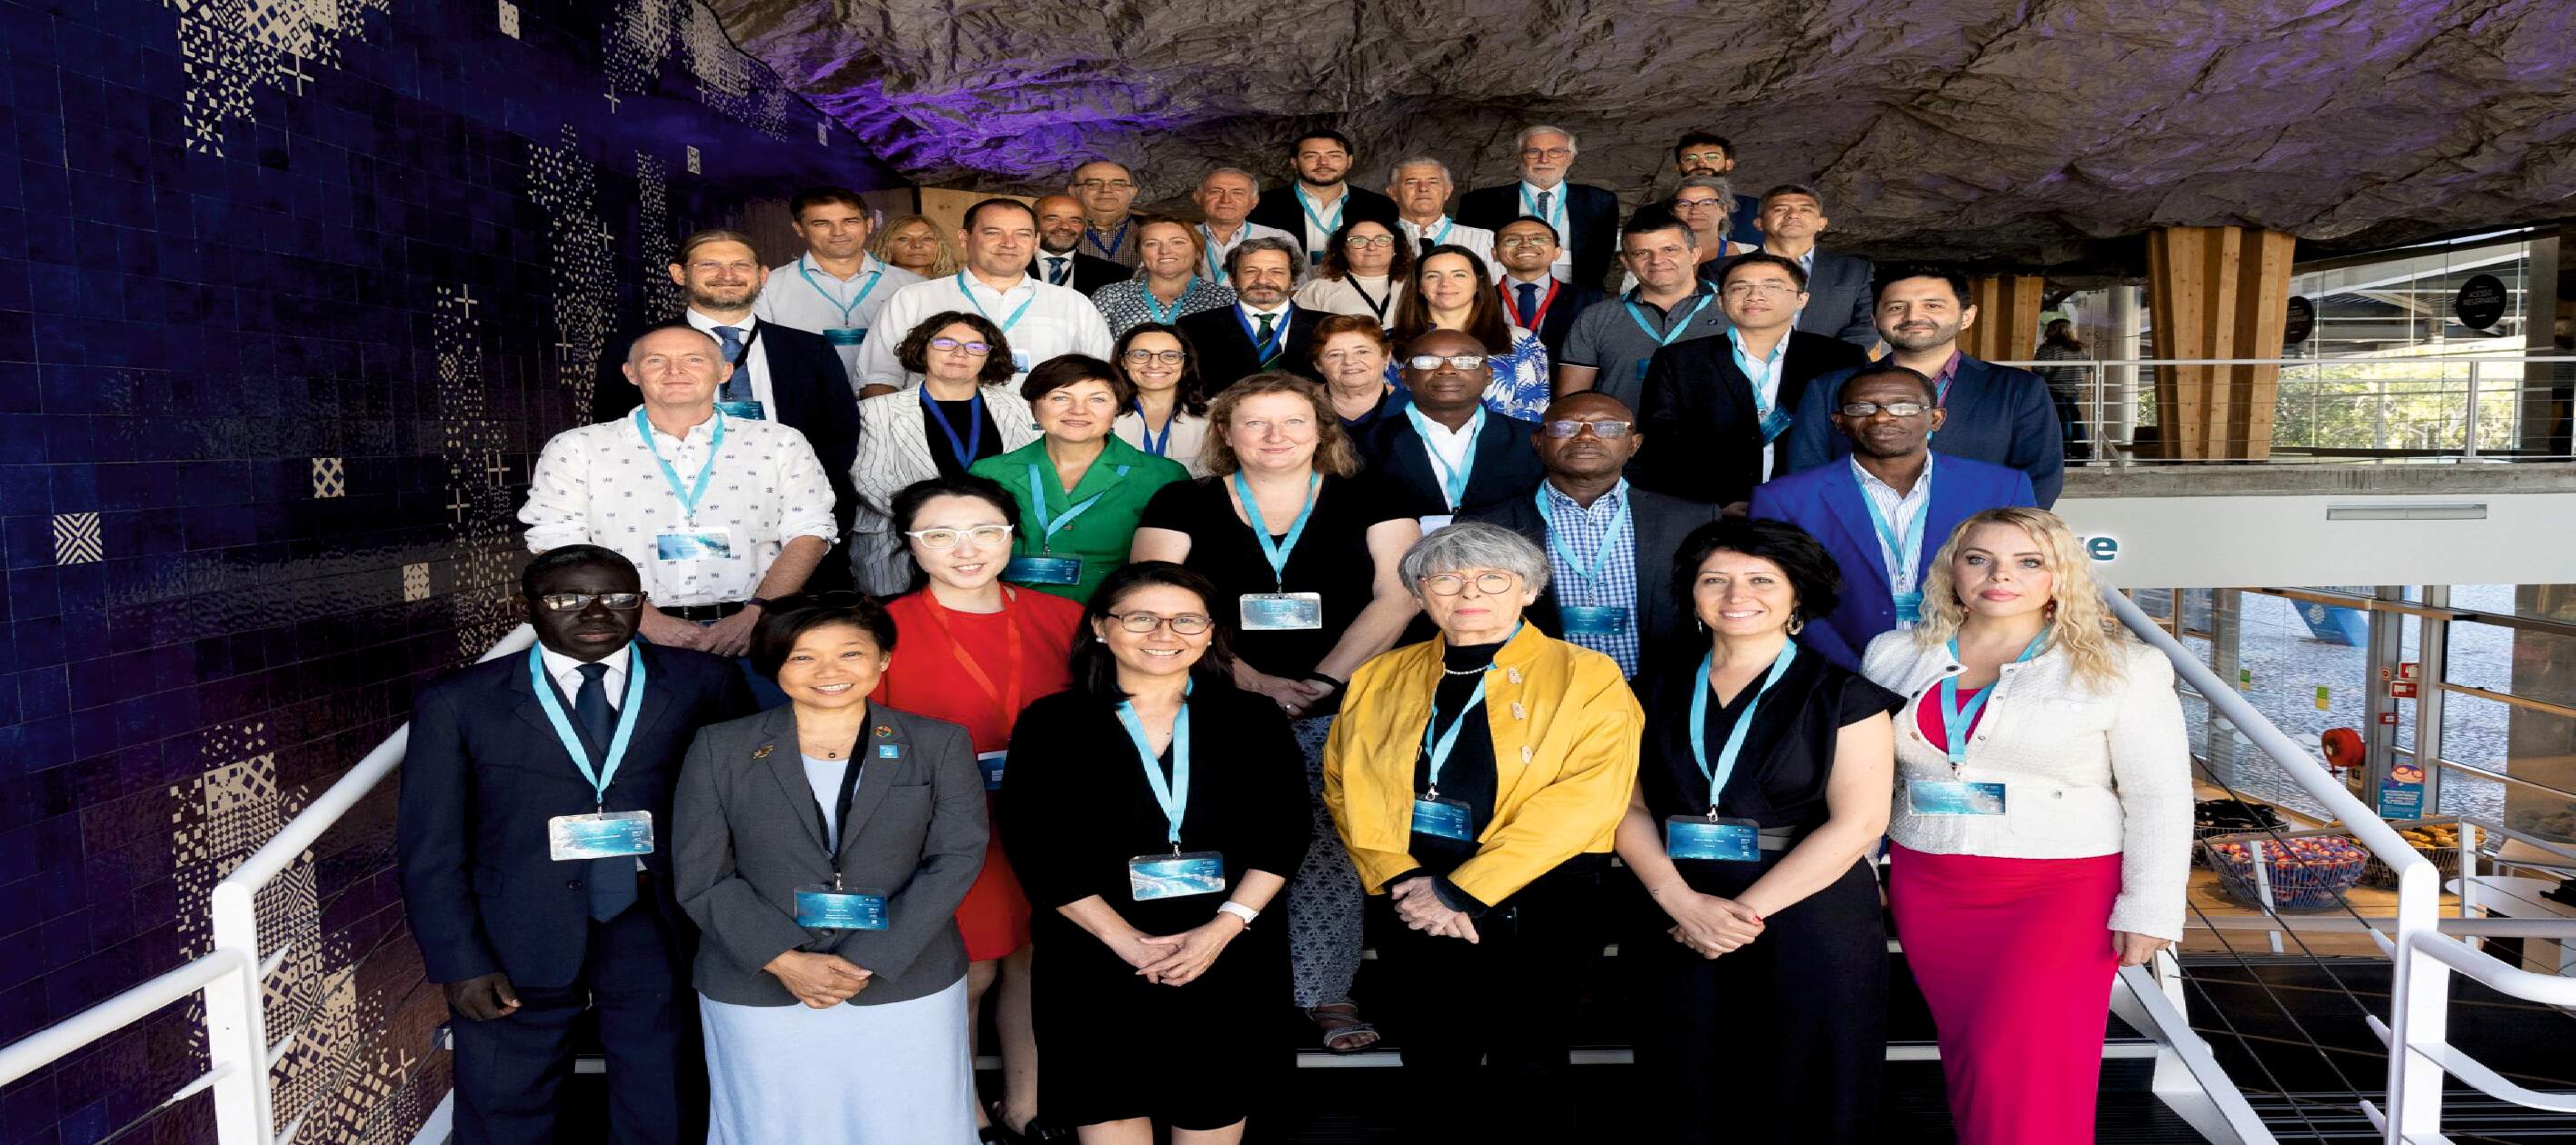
<point x="720" y="514"/>
<point x="1039" y="319"/>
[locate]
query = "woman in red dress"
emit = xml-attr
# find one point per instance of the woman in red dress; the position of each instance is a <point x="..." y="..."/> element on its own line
<point x="975" y="652"/>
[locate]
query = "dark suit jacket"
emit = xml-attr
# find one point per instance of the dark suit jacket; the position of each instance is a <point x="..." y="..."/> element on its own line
<point x="1506" y="466"/>
<point x="1828" y="504"/>
<point x="749" y="833"/>
<point x="1278" y="208"/>
<point x="1225" y="352"/>
<point x="1838" y="299"/>
<point x="808" y="385"/>
<point x="1998" y="414"/>
<point x="1090" y="271"/>
<point x="1571" y="300"/>
<point x="1660" y="523"/>
<point x="483" y="774"/>
<point x="1591" y="223"/>
<point x="1703" y="439"/>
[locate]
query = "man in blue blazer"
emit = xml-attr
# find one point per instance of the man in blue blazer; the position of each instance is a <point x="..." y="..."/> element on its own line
<point x="523" y="935"/>
<point x="1886" y="511"/>
<point x="1411" y="451"/>
<point x="1993" y="413"/>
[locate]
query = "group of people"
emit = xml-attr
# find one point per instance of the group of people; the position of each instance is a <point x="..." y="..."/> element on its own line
<point x="1169" y="517"/>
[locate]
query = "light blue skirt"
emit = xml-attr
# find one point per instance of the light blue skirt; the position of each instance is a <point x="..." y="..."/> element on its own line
<point x="894" y="1074"/>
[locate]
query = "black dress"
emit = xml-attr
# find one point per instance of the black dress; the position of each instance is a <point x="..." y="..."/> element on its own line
<point x="1783" y="1039"/>
<point x="1331" y="558"/>
<point x="1077" y="808"/>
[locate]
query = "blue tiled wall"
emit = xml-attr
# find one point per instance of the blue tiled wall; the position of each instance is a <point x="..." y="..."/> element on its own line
<point x="288" y="297"/>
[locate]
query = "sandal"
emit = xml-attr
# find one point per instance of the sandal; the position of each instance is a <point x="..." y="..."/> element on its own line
<point x="1343" y="1029"/>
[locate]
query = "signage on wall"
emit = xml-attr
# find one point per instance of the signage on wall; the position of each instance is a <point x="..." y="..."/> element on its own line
<point x="2103" y="548"/>
<point x="2480" y="304"/>
<point x="2401" y="795"/>
<point x="2303" y="322"/>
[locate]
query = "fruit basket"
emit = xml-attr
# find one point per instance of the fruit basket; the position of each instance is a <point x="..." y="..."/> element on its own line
<point x="2438" y="841"/>
<point x="2304" y="872"/>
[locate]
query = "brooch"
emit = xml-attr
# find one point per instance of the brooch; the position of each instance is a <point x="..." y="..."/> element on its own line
<point x="884" y="732"/>
<point x="762" y="752"/>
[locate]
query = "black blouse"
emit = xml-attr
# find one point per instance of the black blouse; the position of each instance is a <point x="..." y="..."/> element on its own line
<point x="1788" y="756"/>
<point x="1331" y="558"/>
<point x="955" y="414"/>
<point x="1469" y="776"/>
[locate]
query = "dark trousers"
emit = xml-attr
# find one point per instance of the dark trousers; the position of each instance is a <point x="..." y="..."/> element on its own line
<point x="1508" y="1001"/>
<point x="510" y="1071"/>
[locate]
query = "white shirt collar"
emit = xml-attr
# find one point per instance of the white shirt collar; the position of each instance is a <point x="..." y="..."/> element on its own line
<point x="1024" y="280"/>
<point x="1252" y="311"/>
<point x="1534" y="189"/>
<point x="709" y="325"/>
<point x="566" y="671"/>
<point x="867" y="262"/>
<point x="1869" y="482"/>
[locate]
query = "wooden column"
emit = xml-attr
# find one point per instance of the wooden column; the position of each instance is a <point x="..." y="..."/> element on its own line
<point x="2007" y="328"/>
<point x="2217" y="292"/>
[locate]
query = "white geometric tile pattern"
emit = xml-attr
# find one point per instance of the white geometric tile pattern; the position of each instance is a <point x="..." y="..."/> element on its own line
<point x="330" y="477"/>
<point x="76" y="539"/>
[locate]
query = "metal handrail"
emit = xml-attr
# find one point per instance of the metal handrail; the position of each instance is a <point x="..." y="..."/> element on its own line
<point x="60" y="1040"/>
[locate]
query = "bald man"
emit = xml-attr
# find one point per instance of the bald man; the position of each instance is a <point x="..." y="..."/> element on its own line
<point x="1060" y="261"/>
<point x="1106" y="190"/>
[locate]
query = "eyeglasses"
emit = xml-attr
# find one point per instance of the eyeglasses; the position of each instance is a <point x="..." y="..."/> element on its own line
<point x="1695" y="204"/>
<point x="985" y="536"/>
<point x="1184" y="624"/>
<point x="577" y="601"/>
<point x="1451" y="584"/>
<point x="1455" y="361"/>
<point x="1166" y="357"/>
<point x="978" y="349"/>
<point x="1547" y="153"/>
<point x="1105" y="185"/>
<point x="1740" y="290"/>
<point x="1365" y="242"/>
<point x="1708" y="158"/>
<point x="1891" y="409"/>
<point x="1524" y="240"/>
<point x="1571" y="428"/>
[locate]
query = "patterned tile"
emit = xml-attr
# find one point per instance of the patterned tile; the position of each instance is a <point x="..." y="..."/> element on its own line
<point x="330" y="477"/>
<point x="415" y="579"/>
<point x="509" y="19"/>
<point x="77" y="540"/>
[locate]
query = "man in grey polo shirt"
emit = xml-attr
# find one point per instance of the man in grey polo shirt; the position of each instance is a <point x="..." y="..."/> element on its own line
<point x="1611" y="342"/>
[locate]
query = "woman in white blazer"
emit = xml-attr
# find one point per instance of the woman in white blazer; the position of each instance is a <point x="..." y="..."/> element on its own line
<point x="964" y="364"/>
<point x="2042" y="825"/>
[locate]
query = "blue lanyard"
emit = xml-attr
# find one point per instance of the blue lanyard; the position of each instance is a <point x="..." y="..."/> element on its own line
<point x="1262" y="351"/>
<point x="1276" y="552"/>
<point x="1556" y="216"/>
<point x="1586" y="570"/>
<point x="1154" y="309"/>
<point x="971" y="300"/>
<point x="1955" y="718"/>
<point x="1447" y="225"/>
<point x="626" y="713"/>
<point x="1726" y="755"/>
<point x="973" y="447"/>
<point x="1145" y="430"/>
<point x="1905" y="547"/>
<point x="853" y="305"/>
<point x="689" y="496"/>
<point x="1762" y="407"/>
<point x="1666" y="338"/>
<point x="1047" y="529"/>
<point x="1111" y="248"/>
<point x="1340" y="206"/>
<point x="1216" y="270"/>
<point x="1440" y="748"/>
<point x="1174" y="797"/>
<point x="1453" y="482"/>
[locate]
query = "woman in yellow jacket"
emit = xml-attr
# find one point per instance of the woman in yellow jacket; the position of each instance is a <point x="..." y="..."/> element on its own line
<point x="1478" y="780"/>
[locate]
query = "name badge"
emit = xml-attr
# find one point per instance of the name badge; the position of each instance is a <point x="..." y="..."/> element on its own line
<point x="844" y="336"/>
<point x="990" y="763"/>
<point x="1280" y="611"/>
<point x="1431" y="521"/>
<point x="1151" y="877"/>
<point x="824" y="908"/>
<point x="1716" y="840"/>
<point x="1909" y="608"/>
<point x="1953" y="797"/>
<point x="605" y="835"/>
<point x="748" y="411"/>
<point x="1593" y="619"/>
<point x="1043" y="570"/>
<point x="694" y="545"/>
<point x="1314" y="258"/>
<point x="1019" y="361"/>
<point x="1443" y="819"/>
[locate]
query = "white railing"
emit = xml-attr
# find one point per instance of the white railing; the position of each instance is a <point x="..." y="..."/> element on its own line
<point x="233" y="978"/>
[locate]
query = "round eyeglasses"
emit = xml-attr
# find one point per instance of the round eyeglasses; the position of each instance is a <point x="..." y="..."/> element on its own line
<point x="1451" y="584"/>
<point x="978" y="349"/>
<point x="1183" y="624"/>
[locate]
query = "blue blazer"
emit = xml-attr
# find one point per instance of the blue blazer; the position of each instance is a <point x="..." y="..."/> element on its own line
<point x="483" y="774"/>
<point x="1506" y="463"/>
<point x="1998" y="414"/>
<point x="1828" y="504"/>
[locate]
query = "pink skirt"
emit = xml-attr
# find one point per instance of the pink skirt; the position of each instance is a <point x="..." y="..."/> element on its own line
<point x="2014" y="957"/>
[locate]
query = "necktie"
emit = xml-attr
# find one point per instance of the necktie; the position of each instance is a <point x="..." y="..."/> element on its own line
<point x="1427" y="244"/>
<point x="1529" y="306"/>
<point x="737" y="388"/>
<point x="612" y="880"/>
<point x="1261" y="339"/>
<point x="1055" y="269"/>
<point x="1547" y="205"/>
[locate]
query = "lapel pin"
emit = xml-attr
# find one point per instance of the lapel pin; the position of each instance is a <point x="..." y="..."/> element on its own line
<point x="762" y="752"/>
<point x="884" y="732"/>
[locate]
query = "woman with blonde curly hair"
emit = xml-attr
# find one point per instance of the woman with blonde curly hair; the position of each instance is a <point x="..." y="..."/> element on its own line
<point x="917" y="244"/>
<point x="2042" y="825"/>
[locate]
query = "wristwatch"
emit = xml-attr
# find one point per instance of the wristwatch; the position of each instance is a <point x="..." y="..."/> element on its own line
<point x="1238" y="910"/>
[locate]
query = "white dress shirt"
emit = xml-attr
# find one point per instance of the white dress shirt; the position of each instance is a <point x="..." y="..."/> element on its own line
<point x="1218" y="248"/>
<point x="1188" y="433"/>
<point x="1556" y="216"/>
<point x="1448" y="231"/>
<point x="1450" y="450"/>
<point x="1316" y="239"/>
<point x="1059" y="320"/>
<point x="600" y="485"/>
<point x="759" y="355"/>
<point x="1898" y="509"/>
<point x="1350" y="294"/>
<point x="804" y="295"/>
<point x="1764" y="373"/>
<point x="566" y="673"/>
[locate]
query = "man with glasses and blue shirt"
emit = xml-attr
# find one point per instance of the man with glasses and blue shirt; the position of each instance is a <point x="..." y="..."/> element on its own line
<point x="836" y="287"/>
<point x="1612" y="344"/>
<point x="1039" y="319"/>
<point x="1884" y="511"/>
<point x="1586" y="218"/>
<point x="1105" y="190"/>
<point x="1736" y="396"/>
<point x="1447" y="450"/>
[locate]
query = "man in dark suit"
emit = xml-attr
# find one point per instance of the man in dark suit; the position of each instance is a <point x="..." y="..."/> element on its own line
<point x="1838" y="285"/>
<point x="1886" y="513"/>
<point x="1533" y="297"/>
<point x="1448" y="452"/>
<point x="1731" y="398"/>
<point x="1320" y="199"/>
<point x="1992" y="413"/>
<point x="1609" y="544"/>
<point x="508" y="756"/>
<point x="1262" y="330"/>
<point x="1586" y="218"/>
<point x="779" y="373"/>
<point x="1059" y="259"/>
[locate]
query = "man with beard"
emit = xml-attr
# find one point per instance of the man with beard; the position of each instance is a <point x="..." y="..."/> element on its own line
<point x="836" y="287"/>
<point x="1225" y="196"/>
<point x="1038" y="318"/>
<point x="1263" y="330"/>
<point x="1448" y="451"/>
<point x="1837" y="303"/>
<point x="1106" y="190"/>
<point x="1535" y="299"/>
<point x="1885" y="512"/>
<point x="523" y="938"/>
<point x="1613" y="343"/>
<point x="1318" y="201"/>
<point x="1060" y="261"/>
<point x="1421" y="187"/>
<point x="1609" y="544"/>
<point x="1586" y="218"/>
<point x="1991" y="413"/>
<point x="773" y="371"/>
<point x="1702" y="154"/>
<point x="1737" y="393"/>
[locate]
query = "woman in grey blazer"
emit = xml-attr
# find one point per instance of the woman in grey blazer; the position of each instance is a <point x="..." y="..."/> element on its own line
<point x="980" y="415"/>
<point x="822" y="849"/>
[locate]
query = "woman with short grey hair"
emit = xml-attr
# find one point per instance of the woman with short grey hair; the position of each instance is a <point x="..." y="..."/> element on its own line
<point x="1478" y="781"/>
